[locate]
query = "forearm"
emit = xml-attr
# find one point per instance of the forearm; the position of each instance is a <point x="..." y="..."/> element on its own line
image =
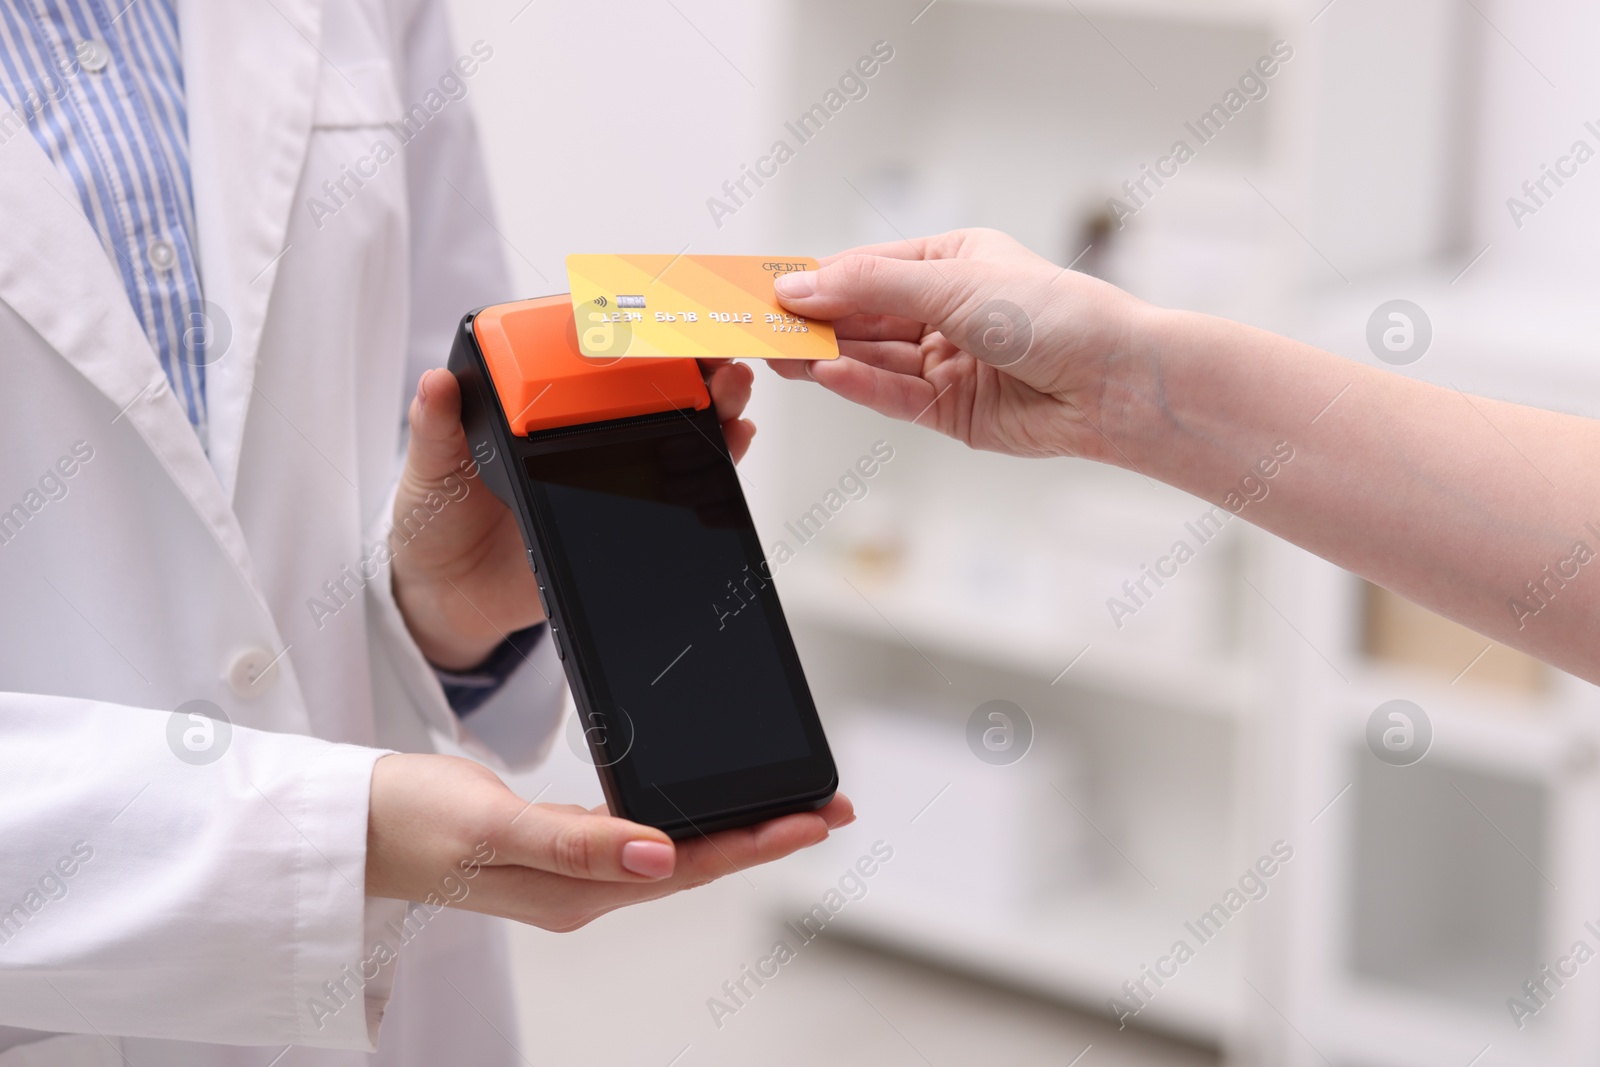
<point x="1455" y="502"/>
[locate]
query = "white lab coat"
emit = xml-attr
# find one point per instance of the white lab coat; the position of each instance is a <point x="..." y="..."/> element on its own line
<point x="207" y="905"/>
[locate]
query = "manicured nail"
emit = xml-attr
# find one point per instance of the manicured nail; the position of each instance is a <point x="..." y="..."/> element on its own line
<point x="652" y="859"/>
<point x="799" y="284"/>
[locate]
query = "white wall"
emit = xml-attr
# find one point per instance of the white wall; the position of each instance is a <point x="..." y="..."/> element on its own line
<point x="1540" y="85"/>
<point x="609" y="123"/>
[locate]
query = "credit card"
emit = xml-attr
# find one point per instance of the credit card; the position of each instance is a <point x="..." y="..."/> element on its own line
<point x="705" y="307"/>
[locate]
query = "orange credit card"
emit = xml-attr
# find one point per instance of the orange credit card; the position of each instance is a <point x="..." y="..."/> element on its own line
<point x="704" y="307"/>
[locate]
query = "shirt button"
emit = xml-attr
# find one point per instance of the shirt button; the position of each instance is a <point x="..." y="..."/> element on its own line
<point x="163" y="255"/>
<point x="93" y="55"/>
<point x="252" y="673"/>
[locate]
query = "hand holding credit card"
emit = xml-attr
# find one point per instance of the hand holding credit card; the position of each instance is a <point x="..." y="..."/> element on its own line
<point x="702" y="307"/>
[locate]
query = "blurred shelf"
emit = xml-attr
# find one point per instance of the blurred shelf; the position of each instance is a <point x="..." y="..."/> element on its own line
<point x="1218" y="687"/>
<point x="1223" y="12"/>
<point x="1386" y="1024"/>
<point x="1079" y="949"/>
<point x="1530" y="735"/>
<point x="1524" y="338"/>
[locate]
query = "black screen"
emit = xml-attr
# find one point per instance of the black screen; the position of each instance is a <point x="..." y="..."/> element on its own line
<point x="663" y="578"/>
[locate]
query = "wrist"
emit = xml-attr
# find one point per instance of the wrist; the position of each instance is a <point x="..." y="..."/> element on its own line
<point x="1175" y="396"/>
<point x="450" y="633"/>
<point x="1128" y="349"/>
<point x="425" y="815"/>
<point x="1146" y="417"/>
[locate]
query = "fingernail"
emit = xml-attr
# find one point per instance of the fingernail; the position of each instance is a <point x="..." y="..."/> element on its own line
<point x="801" y="283"/>
<point x="652" y="859"/>
<point x="811" y="366"/>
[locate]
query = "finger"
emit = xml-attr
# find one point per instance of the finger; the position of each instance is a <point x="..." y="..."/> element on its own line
<point x="705" y="858"/>
<point x="899" y="396"/>
<point x="577" y="809"/>
<point x="796" y="370"/>
<point x="730" y="387"/>
<point x="753" y="845"/>
<point x="897" y="357"/>
<point x="923" y="291"/>
<point x="838" y="812"/>
<point x="438" y="443"/>
<point x="939" y="246"/>
<point x="878" y="328"/>
<point x="738" y="434"/>
<point x="904" y="248"/>
<point x="559" y="903"/>
<point x="586" y="846"/>
<point x="764" y="842"/>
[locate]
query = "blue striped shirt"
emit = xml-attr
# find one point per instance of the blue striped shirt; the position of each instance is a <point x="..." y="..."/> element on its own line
<point x="101" y="90"/>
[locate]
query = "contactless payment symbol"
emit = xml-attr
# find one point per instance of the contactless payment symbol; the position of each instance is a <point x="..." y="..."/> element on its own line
<point x="602" y="333"/>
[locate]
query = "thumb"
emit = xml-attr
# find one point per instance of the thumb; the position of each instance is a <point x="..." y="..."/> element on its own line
<point x="438" y="442"/>
<point x="578" y="844"/>
<point x="918" y="289"/>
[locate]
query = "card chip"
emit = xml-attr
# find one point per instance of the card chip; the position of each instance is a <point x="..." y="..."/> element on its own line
<point x="630" y="301"/>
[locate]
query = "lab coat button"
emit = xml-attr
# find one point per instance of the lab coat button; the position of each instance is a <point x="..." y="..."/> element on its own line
<point x="93" y="55"/>
<point x="252" y="672"/>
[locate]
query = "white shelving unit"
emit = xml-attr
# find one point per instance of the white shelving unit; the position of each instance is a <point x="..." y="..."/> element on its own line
<point x="1167" y="734"/>
<point x="1165" y="738"/>
<point x="1175" y="752"/>
<point x="1430" y="893"/>
<point x="1217" y="687"/>
<point x="1225" y="12"/>
<point x="1070" y="951"/>
<point x="1441" y="887"/>
<point x="1181" y="764"/>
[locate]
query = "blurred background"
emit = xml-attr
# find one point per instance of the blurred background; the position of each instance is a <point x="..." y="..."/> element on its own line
<point x="1055" y="794"/>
